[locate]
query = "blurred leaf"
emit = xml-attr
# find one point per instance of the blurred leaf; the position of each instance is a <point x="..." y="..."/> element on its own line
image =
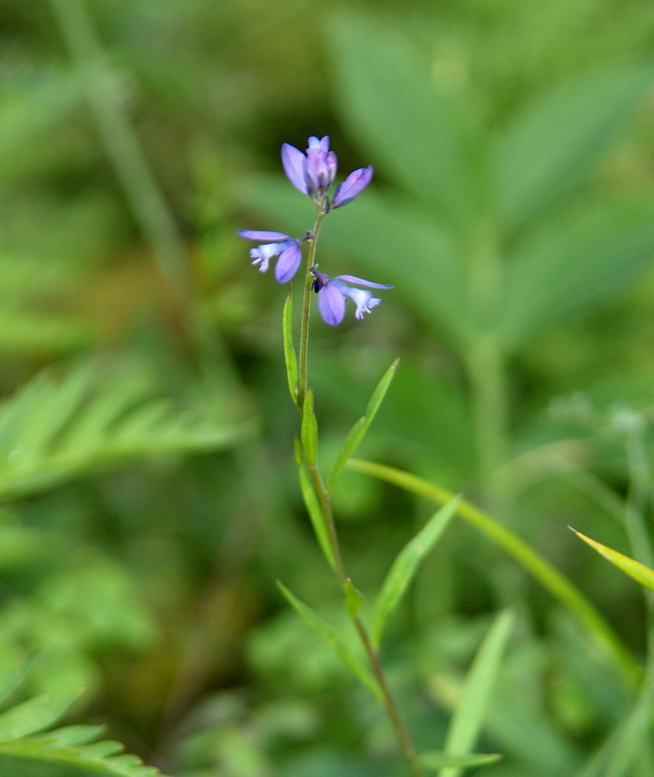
<point x="436" y="759"/>
<point x="547" y="575"/>
<point x="353" y="598"/>
<point x="642" y="574"/>
<point x="34" y="715"/>
<point x="358" y="431"/>
<point x="548" y="148"/>
<point x="53" y="430"/>
<point x="481" y="678"/>
<point x="580" y="259"/>
<point x="290" y="358"/>
<point x="309" y="429"/>
<point x="390" y="99"/>
<point x="316" y="515"/>
<point x="331" y="638"/>
<point x="406" y="565"/>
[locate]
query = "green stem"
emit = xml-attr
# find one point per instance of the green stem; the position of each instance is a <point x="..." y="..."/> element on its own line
<point x="324" y="499"/>
<point x="306" y="309"/>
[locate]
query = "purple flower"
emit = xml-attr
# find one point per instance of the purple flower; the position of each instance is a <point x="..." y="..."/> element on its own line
<point x="333" y="291"/>
<point x="313" y="173"/>
<point x="352" y="186"/>
<point x="284" y="246"/>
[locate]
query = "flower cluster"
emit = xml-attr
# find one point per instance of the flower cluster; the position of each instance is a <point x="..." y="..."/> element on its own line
<point x="313" y="173"/>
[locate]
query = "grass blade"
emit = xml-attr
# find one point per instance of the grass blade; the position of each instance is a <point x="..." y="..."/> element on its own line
<point x="465" y="725"/>
<point x="644" y="575"/>
<point x="537" y="566"/>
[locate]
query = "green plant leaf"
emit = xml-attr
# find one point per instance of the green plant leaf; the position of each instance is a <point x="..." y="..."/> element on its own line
<point x="309" y="429"/>
<point x="358" y="431"/>
<point x="290" y="359"/>
<point x="331" y="638"/>
<point x="390" y="98"/>
<point x="34" y="715"/>
<point x="353" y="598"/>
<point x="580" y="258"/>
<point x="481" y="678"/>
<point x="639" y="572"/>
<point x="550" y="146"/>
<point x="546" y="574"/>
<point x="437" y="759"/>
<point x="406" y="565"/>
<point x="316" y="516"/>
<point x="55" y="429"/>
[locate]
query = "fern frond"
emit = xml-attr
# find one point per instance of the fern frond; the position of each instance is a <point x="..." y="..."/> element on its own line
<point x="52" y="430"/>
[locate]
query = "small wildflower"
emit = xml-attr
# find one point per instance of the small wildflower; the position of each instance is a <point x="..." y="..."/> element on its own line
<point x="333" y="291"/>
<point x="313" y="173"/>
<point x="284" y="246"/>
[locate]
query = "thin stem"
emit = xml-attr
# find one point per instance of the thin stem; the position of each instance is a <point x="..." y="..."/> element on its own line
<point x="324" y="498"/>
<point x="306" y="309"/>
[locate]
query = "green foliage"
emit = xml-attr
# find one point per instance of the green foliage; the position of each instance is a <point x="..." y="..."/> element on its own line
<point x="52" y="430"/>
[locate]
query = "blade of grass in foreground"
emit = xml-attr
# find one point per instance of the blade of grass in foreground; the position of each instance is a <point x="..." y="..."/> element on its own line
<point x="546" y="574"/>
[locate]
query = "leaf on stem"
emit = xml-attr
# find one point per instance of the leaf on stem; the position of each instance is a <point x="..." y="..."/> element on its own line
<point x="644" y="575"/>
<point x="318" y="521"/>
<point x="35" y="714"/>
<point x="467" y="720"/>
<point x="541" y="569"/>
<point x="406" y="565"/>
<point x="331" y="638"/>
<point x="309" y="430"/>
<point x="353" y="598"/>
<point x="360" y="428"/>
<point x="290" y="358"/>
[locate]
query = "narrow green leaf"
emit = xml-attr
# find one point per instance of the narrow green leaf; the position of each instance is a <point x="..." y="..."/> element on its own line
<point x="331" y="638"/>
<point x="541" y="569"/>
<point x="316" y="516"/>
<point x="290" y="358"/>
<point x="309" y="430"/>
<point x="549" y="147"/>
<point x="34" y="715"/>
<point x="644" y="575"/>
<point x="437" y="759"/>
<point x="406" y="565"/>
<point x="466" y="723"/>
<point x="360" y="428"/>
<point x="353" y="598"/>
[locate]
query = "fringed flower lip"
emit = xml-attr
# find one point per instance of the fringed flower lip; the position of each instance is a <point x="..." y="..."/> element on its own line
<point x="282" y="245"/>
<point x="332" y="293"/>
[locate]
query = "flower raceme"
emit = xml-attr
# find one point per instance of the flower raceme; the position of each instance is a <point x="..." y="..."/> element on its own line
<point x="313" y="173"/>
<point x="332" y="293"/>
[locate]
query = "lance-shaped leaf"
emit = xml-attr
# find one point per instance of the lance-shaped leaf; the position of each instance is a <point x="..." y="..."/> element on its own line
<point x="360" y="428"/>
<point x="406" y="565"/>
<point x="466" y="723"/>
<point x="329" y="636"/>
<point x="290" y="358"/>
<point x="644" y="575"/>
<point x="309" y="430"/>
<point x="316" y="515"/>
<point x="538" y="566"/>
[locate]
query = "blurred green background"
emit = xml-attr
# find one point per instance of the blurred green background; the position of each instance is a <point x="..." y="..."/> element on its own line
<point x="150" y="500"/>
